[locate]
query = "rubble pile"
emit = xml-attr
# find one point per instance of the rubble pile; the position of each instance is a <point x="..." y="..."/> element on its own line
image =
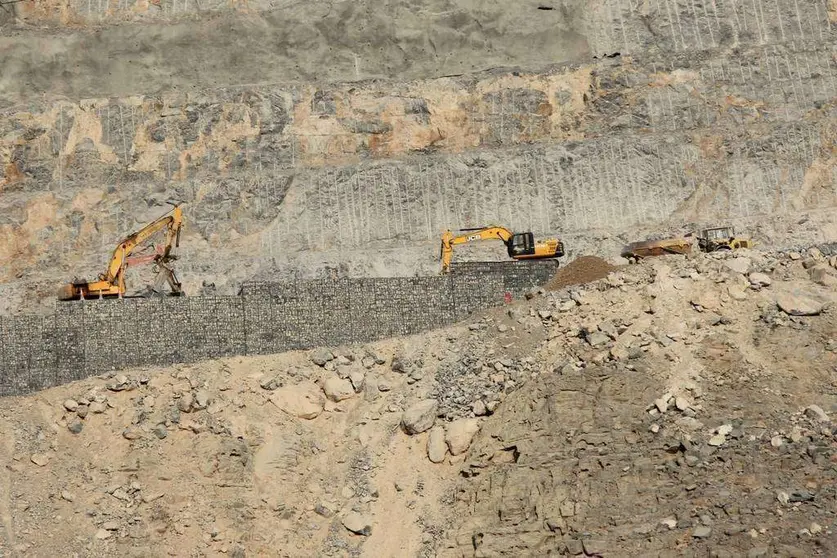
<point x="682" y="404"/>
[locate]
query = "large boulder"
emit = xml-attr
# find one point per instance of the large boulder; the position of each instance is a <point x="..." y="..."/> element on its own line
<point x="460" y="433"/>
<point x="420" y="417"/>
<point x="303" y="400"/>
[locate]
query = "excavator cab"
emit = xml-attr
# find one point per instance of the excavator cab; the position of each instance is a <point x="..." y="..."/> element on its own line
<point x="521" y="244"/>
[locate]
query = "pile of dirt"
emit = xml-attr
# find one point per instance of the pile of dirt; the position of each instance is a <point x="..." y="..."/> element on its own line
<point x="580" y="271"/>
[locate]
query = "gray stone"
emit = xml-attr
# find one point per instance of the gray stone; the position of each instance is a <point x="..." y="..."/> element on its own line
<point x="595" y="547"/>
<point x="321" y="356"/>
<point x="815" y="412"/>
<point x="436" y="446"/>
<point x="798" y="305"/>
<point x="98" y="408"/>
<point x="82" y="411"/>
<point x="702" y="532"/>
<point x="71" y="405"/>
<point x="420" y="417"/>
<point x="597" y="339"/>
<point x="160" y="431"/>
<point x="357" y="378"/>
<point x="358" y="524"/>
<point x="75" y="426"/>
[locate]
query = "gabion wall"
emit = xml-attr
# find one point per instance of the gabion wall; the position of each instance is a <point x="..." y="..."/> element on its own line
<point x="86" y="338"/>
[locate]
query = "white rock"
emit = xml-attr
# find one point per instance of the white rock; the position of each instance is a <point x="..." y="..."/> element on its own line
<point x="97" y="407"/>
<point x="661" y="404"/>
<point x="776" y="441"/>
<point x="681" y="403"/>
<point x="724" y="429"/>
<point x="739" y="265"/>
<point x="103" y="534"/>
<point x="669" y="522"/>
<point x="39" y="459"/>
<point x="436" y="447"/>
<point x="815" y="528"/>
<point x="798" y="305"/>
<point x="760" y="279"/>
<point x="420" y="417"/>
<point x="303" y="400"/>
<point x="717" y="440"/>
<point x="460" y="433"/>
<point x="479" y="408"/>
<point x="358" y="524"/>
<point x="337" y="389"/>
<point x="71" y="405"/>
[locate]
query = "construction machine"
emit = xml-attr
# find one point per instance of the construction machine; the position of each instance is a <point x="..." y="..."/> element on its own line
<point x="520" y="246"/>
<point x="721" y="238"/>
<point x="111" y="283"/>
<point x="649" y="248"/>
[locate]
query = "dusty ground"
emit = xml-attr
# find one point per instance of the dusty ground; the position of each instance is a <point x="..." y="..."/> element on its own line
<point x="664" y="410"/>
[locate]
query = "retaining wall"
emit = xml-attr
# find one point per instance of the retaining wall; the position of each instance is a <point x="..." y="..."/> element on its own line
<point x="86" y="338"/>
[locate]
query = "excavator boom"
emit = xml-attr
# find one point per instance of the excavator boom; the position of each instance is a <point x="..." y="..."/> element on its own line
<point x="521" y="246"/>
<point x="112" y="281"/>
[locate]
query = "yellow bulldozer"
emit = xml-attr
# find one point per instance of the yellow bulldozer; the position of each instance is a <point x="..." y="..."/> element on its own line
<point x="111" y="283"/>
<point x="721" y="238"/>
<point x="520" y="246"/>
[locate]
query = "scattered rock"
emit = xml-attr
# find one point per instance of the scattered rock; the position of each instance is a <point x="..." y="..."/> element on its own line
<point x="739" y="265"/>
<point x="103" y="534"/>
<point x="321" y="356"/>
<point x="82" y="411"/>
<point x="358" y="524"/>
<point x="98" y="408"/>
<point x="420" y="417"/>
<point x="760" y="279"/>
<point x="661" y="404"/>
<point x="460" y="433"/>
<point x="131" y="433"/>
<point x="75" y="426"/>
<point x="160" y="431"/>
<point x="436" y="447"/>
<point x="304" y="400"/>
<point x="68" y="496"/>
<point x="71" y="405"/>
<point x="271" y="383"/>
<point x="681" y="403"/>
<point x="478" y="408"/>
<point x="717" y="440"/>
<point x="201" y="400"/>
<point x="39" y="459"/>
<point x="185" y="402"/>
<point x="597" y="339"/>
<point x="357" y="378"/>
<point x="110" y="526"/>
<point x="798" y="305"/>
<point x="337" y="389"/>
<point x="702" y="532"/>
<point x="815" y="412"/>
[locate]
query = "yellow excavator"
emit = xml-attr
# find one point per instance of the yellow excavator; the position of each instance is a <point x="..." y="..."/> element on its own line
<point x="521" y="246"/>
<point x="112" y="282"/>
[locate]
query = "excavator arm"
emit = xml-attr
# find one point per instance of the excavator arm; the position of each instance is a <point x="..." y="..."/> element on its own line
<point x="519" y="245"/>
<point x="112" y="282"/>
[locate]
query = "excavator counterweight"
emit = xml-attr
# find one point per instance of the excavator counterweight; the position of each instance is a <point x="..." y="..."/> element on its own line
<point x="520" y="246"/>
<point x="111" y="283"/>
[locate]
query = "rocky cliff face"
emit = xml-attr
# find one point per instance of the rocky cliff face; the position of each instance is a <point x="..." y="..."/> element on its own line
<point x="348" y="133"/>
